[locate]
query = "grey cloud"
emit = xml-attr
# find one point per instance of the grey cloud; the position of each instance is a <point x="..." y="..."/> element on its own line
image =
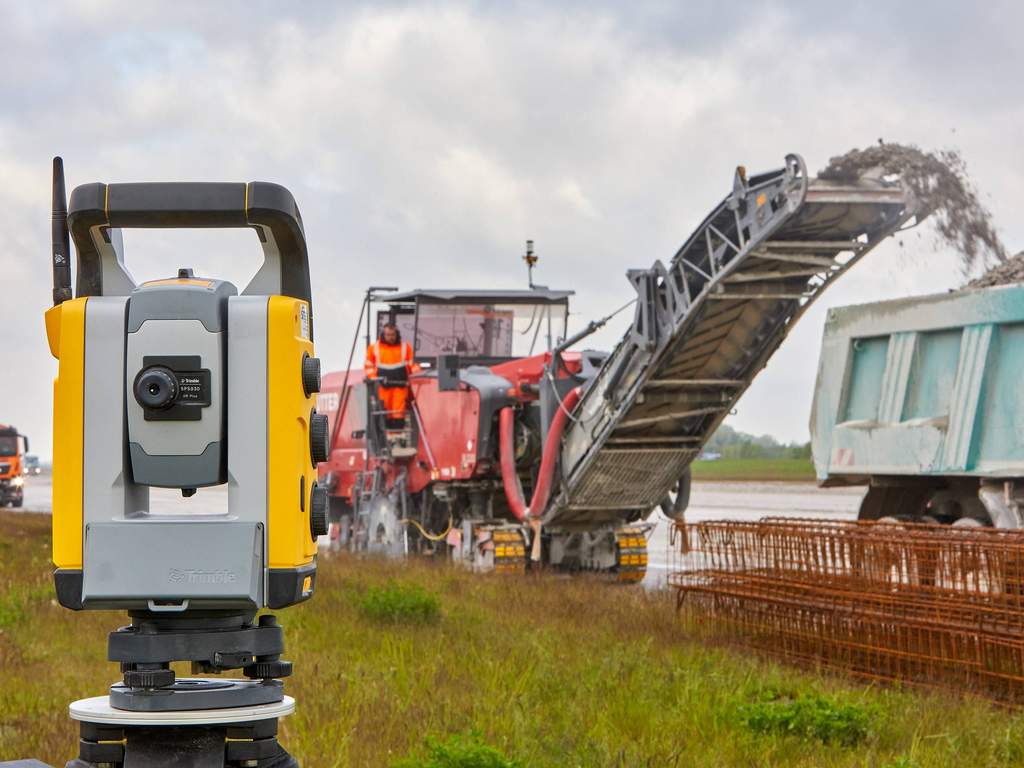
<point x="425" y="142"/>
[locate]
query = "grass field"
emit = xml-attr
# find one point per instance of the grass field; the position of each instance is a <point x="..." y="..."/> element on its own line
<point x="793" y="470"/>
<point x="426" y="665"/>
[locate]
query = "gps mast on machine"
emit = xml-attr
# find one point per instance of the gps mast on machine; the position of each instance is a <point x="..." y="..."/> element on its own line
<point x="565" y="454"/>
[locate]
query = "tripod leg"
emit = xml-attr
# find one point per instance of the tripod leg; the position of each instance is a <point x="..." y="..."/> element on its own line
<point x="284" y="761"/>
<point x="171" y="747"/>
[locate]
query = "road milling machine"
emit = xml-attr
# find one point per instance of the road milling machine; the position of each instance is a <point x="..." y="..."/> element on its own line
<point x="184" y="383"/>
<point x="518" y="448"/>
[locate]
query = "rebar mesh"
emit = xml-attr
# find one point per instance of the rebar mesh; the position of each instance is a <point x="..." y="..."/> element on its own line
<point x="925" y="604"/>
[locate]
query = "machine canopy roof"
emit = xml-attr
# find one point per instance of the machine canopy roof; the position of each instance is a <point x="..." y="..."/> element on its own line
<point x="535" y="296"/>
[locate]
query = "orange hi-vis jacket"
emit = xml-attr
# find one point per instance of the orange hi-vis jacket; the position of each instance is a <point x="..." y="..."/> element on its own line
<point x="392" y="364"/>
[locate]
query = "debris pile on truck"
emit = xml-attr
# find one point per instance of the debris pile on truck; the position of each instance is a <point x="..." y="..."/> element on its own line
<point x="1009" y="272"/>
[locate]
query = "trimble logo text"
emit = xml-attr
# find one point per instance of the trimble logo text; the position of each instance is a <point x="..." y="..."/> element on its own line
<point x="199" y="576"/>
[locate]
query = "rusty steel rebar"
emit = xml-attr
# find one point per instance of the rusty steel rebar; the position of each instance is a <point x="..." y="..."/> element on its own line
<point x="924" y="604"/>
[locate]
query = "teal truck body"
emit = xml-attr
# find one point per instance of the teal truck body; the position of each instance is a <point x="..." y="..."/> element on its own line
<point x="922" y="400"/>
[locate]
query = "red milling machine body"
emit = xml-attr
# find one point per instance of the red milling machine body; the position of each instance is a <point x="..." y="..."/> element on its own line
<point x="451" y="421"/>
<point x="439" y="485"/>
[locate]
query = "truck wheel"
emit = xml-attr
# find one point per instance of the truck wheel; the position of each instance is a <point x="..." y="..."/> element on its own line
<point x="874" y="561"/>
<point x="17" y="503"/>
<point x="893" y="501"/>
<point x="974" y="568"/>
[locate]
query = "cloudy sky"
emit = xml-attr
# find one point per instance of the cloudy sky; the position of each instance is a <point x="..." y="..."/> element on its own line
<point x="426" y="142"/>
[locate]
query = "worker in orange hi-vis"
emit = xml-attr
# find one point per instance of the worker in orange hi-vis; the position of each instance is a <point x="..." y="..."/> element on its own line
<point x="389" y="360"/>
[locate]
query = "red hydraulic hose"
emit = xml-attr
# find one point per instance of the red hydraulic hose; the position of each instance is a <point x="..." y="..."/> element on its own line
<point x="506" y="438"/>
<point x="507" y="448"/>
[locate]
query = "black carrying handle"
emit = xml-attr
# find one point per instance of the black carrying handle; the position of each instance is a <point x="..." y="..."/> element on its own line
<point x="270" y="208"/>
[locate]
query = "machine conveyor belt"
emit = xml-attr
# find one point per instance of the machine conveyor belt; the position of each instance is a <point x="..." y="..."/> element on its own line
<point x="704" y="325"/>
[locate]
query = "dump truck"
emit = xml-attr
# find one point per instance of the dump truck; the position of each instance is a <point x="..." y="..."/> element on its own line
<point x="920" y="399"/>
<point x="13" y="447"/>
<point x="524" y="449"/>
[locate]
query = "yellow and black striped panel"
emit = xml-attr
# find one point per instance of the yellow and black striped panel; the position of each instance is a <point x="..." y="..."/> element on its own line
<point x="630" y="554"/>
<point x="509" y="551"/>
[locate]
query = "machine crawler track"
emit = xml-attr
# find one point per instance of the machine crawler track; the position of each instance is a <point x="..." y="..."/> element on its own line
<point x="509" y="551"/>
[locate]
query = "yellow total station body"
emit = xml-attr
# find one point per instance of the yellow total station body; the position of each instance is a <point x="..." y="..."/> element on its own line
<point x="289" y="410"/>
<point x="185" y="383"/>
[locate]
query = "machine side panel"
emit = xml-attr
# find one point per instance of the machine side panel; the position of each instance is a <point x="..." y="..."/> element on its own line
<point x="68" y="410"/>
<point x="348" y="450"/>
<point x="960" y="450"/>
<point x="964" y="341"/>
<point x="834" y="364"/>
<point x="209" y="564"/>
<point x="166" y="338"/>
<point x="1001" y="423"/>
<point x="291" y="473"/>
<point x="493" y="395"/>
<point x="451" y="422"/>
<point x="247" y="425"/>
<point x="108" y="490"/>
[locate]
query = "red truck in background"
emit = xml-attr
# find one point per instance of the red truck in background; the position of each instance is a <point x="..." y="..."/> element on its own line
<point x="13" y="447"/>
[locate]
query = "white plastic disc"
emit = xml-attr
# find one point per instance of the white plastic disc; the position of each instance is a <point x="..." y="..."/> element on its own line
<point x="98" y="710"/>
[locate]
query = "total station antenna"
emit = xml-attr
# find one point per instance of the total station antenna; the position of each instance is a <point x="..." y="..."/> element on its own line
<point x="60" y="238"/>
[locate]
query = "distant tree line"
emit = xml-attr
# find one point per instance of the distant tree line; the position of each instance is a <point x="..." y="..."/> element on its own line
<point x="733" y="444"/>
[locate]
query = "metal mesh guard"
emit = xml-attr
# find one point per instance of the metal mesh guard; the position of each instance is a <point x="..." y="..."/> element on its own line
<point x="928" y="605"/>
<point x="630" y="478"/>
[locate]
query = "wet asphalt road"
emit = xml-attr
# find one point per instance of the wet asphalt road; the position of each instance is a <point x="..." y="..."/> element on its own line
<point x="37" y="493"/>
<point x="38" y="498"/>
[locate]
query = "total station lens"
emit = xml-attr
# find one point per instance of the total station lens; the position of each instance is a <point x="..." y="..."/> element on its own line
<point x="156" y="387"/>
